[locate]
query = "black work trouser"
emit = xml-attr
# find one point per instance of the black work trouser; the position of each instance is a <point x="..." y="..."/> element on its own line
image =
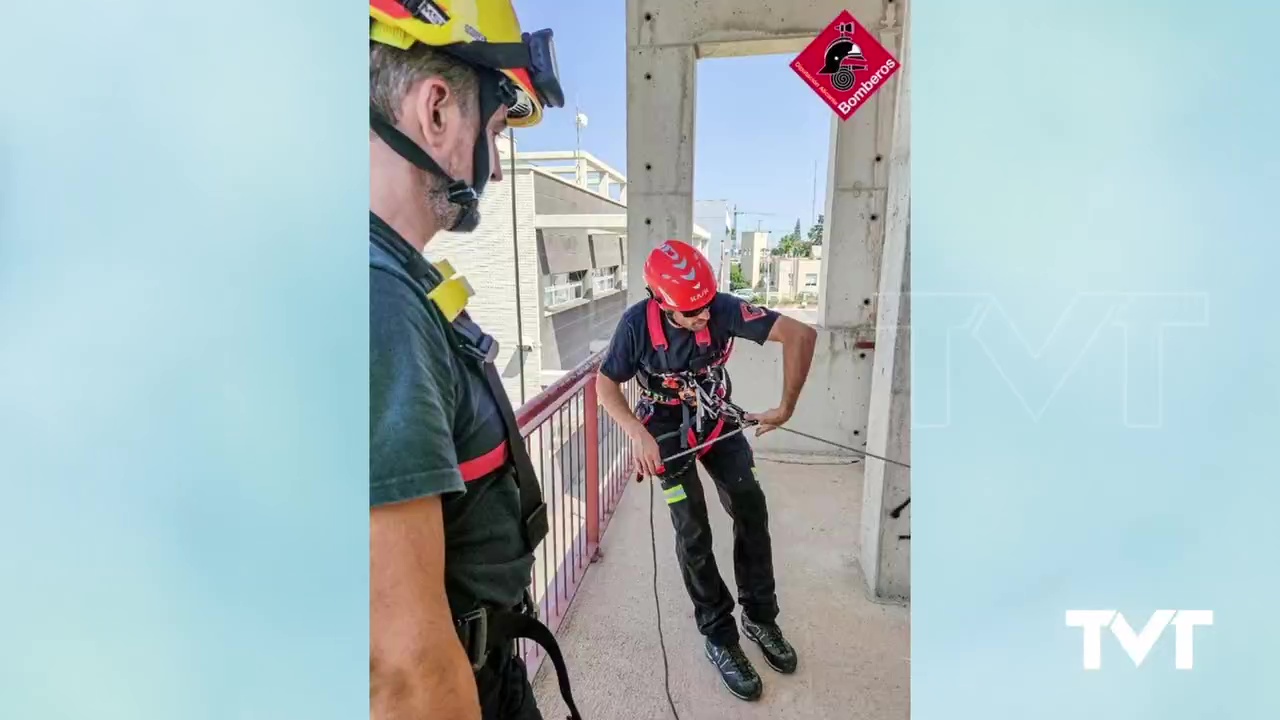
<point x="504" y="689"/>
<point x="731" y="465"/>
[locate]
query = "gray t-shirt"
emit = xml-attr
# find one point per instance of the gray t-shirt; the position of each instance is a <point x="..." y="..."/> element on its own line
<point x="428" y="410"/>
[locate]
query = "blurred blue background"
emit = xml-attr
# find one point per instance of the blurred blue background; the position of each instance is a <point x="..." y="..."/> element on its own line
<point x="183" y="354"/>
<point x="183" y="357"/>
<point x="1093" y="193"/>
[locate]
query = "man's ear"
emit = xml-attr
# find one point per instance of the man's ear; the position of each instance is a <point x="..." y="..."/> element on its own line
<point x="429" y="104"/>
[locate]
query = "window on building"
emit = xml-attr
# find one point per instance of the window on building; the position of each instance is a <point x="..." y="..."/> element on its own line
<point x="811" y="280"/>
<point x="563" y="288"/>
<point x="604" y="279"/>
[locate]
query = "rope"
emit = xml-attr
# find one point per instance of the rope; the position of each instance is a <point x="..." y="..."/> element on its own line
<point x="657" y="607"/>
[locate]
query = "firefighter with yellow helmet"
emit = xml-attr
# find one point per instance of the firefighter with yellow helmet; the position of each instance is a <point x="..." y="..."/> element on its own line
<point x="455" y="506"/>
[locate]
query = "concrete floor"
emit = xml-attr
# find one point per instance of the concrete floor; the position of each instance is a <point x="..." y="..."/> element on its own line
<point x="854" y="653"/>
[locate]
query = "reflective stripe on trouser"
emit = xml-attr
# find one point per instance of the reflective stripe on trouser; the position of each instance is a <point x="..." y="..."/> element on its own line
<point x="730" y="464"/>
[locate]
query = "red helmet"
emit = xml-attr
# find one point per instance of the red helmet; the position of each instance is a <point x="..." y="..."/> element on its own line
<point x="679" y="276"/>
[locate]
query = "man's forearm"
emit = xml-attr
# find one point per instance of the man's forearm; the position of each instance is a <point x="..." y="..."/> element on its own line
<point x="797" y="355"/>
<point x="417" y="667"/>
<point x="441" y="684"/>
<point x="615" y="403"/>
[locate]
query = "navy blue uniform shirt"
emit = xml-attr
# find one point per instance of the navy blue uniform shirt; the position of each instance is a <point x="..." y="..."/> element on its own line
<point x="630" y="349"/>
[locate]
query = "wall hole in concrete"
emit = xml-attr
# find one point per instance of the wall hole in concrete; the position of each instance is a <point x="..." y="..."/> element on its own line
<point x="865" y="301"/>
<point x="649" y="76"/>
<point x="648" y="17"/>
<point x="857" y="432"/>
<point x="874" y="217"/>
<point x="862" y="355"/>
<point x="648" y="221"/>
<point x="648" y="166"/>
<point x="878" y="157"/>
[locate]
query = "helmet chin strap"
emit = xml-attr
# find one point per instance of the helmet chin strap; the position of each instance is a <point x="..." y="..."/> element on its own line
<point x="458" y="192"/>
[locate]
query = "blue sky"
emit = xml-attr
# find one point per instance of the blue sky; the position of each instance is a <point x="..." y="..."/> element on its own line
<point x="757" y="149"/>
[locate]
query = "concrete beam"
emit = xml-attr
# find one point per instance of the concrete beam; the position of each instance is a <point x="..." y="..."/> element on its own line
<point x="748" y="48"/>
<point x="611" y="223"/>
<point x="723" y="23"/>
<point x="886" y="557"/>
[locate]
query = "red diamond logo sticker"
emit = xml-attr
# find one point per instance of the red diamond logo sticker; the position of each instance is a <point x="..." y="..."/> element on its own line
<point x="845" y="65"/>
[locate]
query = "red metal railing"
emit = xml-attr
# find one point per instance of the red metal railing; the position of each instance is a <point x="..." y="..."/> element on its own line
<point x="583" y="460"/>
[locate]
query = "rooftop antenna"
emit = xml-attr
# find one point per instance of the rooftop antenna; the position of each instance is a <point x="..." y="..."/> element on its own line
<point x="579" y="122"/>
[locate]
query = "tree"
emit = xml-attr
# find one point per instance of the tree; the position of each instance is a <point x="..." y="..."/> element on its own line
<point x="790" y="245"/>
<point x="736" y="279"/>
<point x="815" y="232"/>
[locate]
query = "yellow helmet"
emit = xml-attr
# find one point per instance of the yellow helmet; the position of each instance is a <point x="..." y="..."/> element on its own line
<point x="485" y="33"/>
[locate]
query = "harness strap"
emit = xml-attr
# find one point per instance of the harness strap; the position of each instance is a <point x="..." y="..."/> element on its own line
<point x="485" y="630"/>
<point x="477" y="468"/>
<point x="653" y="316"/>
<point x="703" y="337"/>
<point x="715" y="433"/>
<point x="658" y="338"/>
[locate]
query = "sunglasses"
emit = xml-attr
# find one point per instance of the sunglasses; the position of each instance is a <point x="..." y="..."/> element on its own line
<point x="695" y="312"/>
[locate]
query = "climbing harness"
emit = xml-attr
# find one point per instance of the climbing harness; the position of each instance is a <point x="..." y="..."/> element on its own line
<point x="701" y="392"/>
<point x="485" y="629"/>
<point x="698" y="391"/>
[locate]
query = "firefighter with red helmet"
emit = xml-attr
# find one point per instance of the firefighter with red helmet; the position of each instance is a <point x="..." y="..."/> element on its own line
<point x="676" y="344"/>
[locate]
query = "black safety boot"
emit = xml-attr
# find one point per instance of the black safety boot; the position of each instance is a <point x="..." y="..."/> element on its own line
<point x="777" y="651"/>
<point x="735" y="670"/>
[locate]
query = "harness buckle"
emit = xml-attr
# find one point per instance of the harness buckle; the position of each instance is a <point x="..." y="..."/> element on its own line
<point x="473" y="631"/>
<point x="536" y="525"/>
<point x="487" y="348"/>
<point x="529" y="607"/>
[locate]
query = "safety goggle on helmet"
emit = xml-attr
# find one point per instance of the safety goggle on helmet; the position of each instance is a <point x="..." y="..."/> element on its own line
<point x="485" y="33"/>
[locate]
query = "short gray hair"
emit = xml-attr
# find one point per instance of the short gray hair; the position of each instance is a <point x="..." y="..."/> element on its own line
<point x="394" y="72"/>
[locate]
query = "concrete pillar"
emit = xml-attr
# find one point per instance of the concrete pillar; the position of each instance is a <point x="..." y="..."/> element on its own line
<point x="886" y="555"/>
<point x="661" y="107"/>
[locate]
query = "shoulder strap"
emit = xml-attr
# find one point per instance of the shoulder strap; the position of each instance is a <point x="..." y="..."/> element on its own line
<point x="658" y="336"/>
<point x="653" y="315"/>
